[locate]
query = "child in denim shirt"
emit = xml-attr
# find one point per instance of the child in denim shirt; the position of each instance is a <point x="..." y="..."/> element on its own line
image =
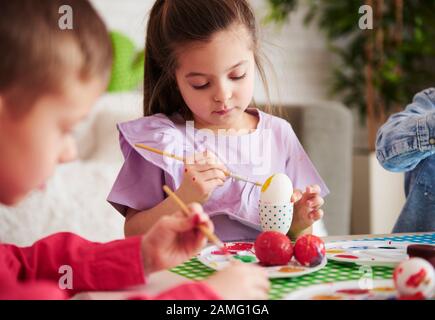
<point x="406" y="143"/>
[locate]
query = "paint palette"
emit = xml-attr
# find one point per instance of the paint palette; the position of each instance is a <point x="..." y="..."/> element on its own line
<point x="214" y="258"/>
<point x="347" y="290"/>
<point x="372" y="253"/>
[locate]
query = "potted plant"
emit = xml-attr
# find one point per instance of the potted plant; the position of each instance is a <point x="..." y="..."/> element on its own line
<point x="379" y="71"/>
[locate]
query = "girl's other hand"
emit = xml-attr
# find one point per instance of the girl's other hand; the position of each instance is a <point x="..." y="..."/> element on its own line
<point x="306" y="209"/>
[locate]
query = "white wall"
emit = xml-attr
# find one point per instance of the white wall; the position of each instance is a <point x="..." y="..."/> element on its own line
<point x="300" y="58"/>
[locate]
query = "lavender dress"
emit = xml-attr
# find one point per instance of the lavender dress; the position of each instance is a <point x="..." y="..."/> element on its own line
<point x="273" y="147"/>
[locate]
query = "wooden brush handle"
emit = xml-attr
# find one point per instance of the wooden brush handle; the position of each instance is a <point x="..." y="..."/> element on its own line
<point x="173" y="156"/>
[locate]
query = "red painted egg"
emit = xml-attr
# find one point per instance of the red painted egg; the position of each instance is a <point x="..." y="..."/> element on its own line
<point x="309" y="250"/>
<point x="273" y="248"/>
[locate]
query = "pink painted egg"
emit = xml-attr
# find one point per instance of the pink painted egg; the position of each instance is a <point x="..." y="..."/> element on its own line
<point x="414" y="279"/>
<point x="309" y="250"/>
<point x="273" y="248"/>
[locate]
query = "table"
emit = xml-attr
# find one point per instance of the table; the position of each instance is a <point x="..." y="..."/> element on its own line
<point x="166" y="279"/>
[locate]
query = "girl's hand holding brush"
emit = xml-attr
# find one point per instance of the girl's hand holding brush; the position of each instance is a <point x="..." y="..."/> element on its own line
<point x="203" y="173"/>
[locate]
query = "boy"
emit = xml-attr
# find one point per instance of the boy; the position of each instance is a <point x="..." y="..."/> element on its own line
<point x="49" y="79"/>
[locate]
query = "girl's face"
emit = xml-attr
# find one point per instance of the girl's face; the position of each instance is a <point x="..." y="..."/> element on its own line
<point x="32" y="145"/>
<point x="216" y="79"/>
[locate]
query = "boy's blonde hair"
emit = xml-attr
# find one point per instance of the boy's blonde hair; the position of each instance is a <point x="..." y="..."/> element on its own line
<point x="36" y="53"/>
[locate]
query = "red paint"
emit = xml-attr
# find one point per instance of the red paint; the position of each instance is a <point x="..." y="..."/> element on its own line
<point x="416" y="279"/>
<point x="346" y="256"/>
<point x="396" y="273"/>
<point x="196" y="220"/>
<point x="353" y="291"/>
<point x="223" y="251"/>
<point x="240" y="246"/>
<point x="234" y="248"/>
<point x="309" y="250"/>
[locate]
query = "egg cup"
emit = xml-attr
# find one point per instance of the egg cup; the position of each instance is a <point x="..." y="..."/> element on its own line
<point x="276" y="217"/>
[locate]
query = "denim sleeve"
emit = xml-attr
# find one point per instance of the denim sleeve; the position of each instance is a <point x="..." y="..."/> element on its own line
<point x="408" y="137"/>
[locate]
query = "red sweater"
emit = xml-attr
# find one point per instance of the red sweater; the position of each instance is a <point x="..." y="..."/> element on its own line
<point x="33" y="272"/>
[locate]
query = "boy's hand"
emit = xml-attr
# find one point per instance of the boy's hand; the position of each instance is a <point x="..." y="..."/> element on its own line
<point x="202" y="174"/>
<point x="306" y="209"/>
<point x="240" y="281"/>
<point x="174" y="239"/>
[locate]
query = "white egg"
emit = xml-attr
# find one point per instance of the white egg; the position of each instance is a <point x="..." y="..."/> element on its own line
<point x="415" y="276"/>
<point x="277" y="190"/>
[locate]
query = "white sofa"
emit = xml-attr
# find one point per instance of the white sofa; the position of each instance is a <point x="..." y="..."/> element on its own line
<point x="75" y="197"/>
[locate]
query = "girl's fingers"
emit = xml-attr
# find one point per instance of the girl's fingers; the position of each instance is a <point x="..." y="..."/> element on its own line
<point x="214" y="183"/>
<point x="207" y="167"/>
<point x="213" y="174"/>
<point x="206" y="157"/>
<point x="296" y="196"/>
<point x="316" y="215"/>
<point x="313" y="189"/>
<point x="316" y="202"/>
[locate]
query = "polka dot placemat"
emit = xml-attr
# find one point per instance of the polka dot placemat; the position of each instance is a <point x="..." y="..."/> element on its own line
<point x="333" y="271"/>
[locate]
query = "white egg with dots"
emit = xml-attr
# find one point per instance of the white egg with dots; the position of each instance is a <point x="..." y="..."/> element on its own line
<point x="275" y="207"/>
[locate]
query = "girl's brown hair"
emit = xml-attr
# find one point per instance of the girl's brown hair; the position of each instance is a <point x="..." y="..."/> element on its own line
<point x="36" y="53"/>
<point x="175" y="23"/>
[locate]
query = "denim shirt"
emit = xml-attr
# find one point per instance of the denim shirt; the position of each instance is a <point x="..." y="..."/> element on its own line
<point x="406" y="143"/>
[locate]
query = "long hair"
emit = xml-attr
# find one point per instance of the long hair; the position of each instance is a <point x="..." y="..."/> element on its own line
<point x="175" y="23"/>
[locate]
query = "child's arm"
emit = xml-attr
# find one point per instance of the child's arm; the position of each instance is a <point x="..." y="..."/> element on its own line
<point x="139" y="222"/>
<point x="199" y="180"/>
<point x="38" y="272"/>
<point x="408" y="137"/>
<point x="69" y="260"/>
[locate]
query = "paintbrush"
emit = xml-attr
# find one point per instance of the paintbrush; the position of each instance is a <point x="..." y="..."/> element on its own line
<point x="173" y="156"/>
<point x="206" y="231"/>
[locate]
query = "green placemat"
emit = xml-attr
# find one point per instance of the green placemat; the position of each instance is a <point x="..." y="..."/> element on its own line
<point x="333" y="271"/>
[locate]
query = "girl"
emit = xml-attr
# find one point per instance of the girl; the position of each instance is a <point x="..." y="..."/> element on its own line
<point x="49" y="79"/>
<point x="199" y="82"/>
